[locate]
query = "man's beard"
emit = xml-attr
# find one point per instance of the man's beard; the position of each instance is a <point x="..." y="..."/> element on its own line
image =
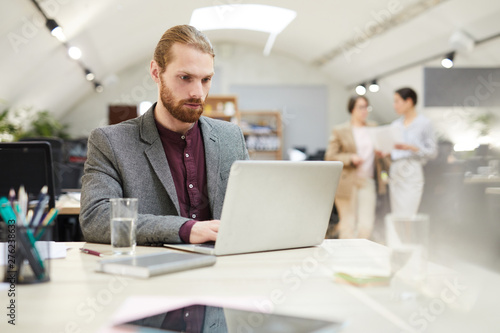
<point x="179" y="111"/>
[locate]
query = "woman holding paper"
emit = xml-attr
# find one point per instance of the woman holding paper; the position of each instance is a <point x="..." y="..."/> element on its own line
<point x="355" y="199"/>
<point x="418" y="146"/>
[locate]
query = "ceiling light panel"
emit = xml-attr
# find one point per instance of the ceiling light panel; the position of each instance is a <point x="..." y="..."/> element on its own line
<point x="243" y="16"/>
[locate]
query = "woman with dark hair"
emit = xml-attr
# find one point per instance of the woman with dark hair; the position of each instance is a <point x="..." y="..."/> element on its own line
<point x="418" y="146"/>
<point x="355" y="199"/>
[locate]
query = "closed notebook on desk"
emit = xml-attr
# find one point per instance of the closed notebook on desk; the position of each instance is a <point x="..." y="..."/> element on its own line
<point x="274" y="205"/>
<point x="148" y="265"/>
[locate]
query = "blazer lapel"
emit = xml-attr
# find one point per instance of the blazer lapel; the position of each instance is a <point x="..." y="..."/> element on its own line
<point x="156" y="155"/>
<point x="212" y="163"/>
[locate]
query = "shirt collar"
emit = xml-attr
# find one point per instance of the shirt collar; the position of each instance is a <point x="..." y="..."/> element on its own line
<point x="175" y="137"/>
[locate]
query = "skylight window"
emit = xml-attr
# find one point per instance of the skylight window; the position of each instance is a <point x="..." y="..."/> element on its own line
<point x="270" y="19"/>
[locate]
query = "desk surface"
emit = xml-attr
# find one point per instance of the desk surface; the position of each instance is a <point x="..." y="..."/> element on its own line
<point x="68" y="204"/>
<point x="480" y="179"/>
<point x="493" y="190"/>
<point x="296" y="282"/>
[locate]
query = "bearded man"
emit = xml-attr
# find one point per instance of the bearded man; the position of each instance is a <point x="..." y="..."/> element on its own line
<point x="175" y="161"/>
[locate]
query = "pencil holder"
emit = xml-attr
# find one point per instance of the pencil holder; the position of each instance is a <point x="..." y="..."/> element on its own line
<point x="3" y="249"/>
<point x="27" y="253"/>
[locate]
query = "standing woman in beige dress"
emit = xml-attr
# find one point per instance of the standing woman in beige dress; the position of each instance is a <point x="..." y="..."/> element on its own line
<point x="356" y="196"/>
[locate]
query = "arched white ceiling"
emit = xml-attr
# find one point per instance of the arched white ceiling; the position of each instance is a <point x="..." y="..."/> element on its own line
<point x="117" y="34"/>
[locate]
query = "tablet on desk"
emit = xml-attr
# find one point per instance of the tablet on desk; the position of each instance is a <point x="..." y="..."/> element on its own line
<point x="200" y="318"/>
<point x="145" y="266"/>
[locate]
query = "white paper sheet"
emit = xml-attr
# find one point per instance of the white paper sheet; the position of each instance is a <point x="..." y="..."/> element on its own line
<point x="57" y="250"/>
<point x="385" y="137"/>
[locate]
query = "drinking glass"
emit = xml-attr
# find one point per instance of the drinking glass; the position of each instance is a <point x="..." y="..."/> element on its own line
<point x="123" y="225"/>
<point x="408" y="238"/>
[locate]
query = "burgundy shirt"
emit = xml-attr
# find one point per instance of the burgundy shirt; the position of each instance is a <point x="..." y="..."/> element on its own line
<point x="186" y="159"/>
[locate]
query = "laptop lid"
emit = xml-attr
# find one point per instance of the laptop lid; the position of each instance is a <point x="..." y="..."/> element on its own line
<point x="272" y="205"/>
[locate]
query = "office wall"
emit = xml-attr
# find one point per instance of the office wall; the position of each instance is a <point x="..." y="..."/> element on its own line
<point x="465" y="123"/>
<point x="242" y="65"/>
<point x="131" y="86"/>
<point x="235" y="65"/>
<point x="304" y="111"/>
<point x="471" y="87"/>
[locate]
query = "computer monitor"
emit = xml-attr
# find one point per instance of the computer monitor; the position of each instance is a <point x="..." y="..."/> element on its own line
<point x="56" y="148"/>
<point x="28" y="164"/>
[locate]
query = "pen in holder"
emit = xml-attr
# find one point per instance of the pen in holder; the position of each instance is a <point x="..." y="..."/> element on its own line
<point x="27" y="251"/>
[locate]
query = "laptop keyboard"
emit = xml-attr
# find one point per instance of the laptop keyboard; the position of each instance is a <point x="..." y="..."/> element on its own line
<point x="209" y="245"/>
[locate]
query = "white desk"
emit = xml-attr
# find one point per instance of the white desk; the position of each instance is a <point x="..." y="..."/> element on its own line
<point x="300" y="282"/>
<point x="493" y="190"/>
<point x="480" y="179"/>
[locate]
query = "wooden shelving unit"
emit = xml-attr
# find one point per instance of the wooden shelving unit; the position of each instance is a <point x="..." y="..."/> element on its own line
<point x="219" y="107"/>
<point x="263" y="134"/>
<point x="262" y="129"/>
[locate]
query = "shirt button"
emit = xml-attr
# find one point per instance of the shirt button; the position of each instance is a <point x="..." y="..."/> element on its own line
<point x="191" y="186"/>
<point x="193" y="216"/>
<point x="187" y="314"/>
<point x="183" y="137"/>
<point x="187" y="155"/>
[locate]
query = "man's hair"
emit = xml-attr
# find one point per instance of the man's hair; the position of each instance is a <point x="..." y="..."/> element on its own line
<point x="352" y="101"/>
<point x="183" y="34"/>
<point x="406" y="93"/>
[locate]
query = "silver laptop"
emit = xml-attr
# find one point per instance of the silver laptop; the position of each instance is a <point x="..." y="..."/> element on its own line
<point x="274" y="205"/>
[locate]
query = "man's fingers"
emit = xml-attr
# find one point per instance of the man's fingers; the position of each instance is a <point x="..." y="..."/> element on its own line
<point x="215" y="225"/>
<point x="204" y="231"/>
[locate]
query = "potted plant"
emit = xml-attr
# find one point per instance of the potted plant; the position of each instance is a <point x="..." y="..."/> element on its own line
<point x="21" y="123"/>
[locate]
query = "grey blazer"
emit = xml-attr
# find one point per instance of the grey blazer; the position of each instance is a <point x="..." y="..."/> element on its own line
<point x="127" y="160"/>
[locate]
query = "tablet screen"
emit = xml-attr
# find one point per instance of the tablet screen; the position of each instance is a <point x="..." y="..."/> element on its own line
<point x="200" y="318"/>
